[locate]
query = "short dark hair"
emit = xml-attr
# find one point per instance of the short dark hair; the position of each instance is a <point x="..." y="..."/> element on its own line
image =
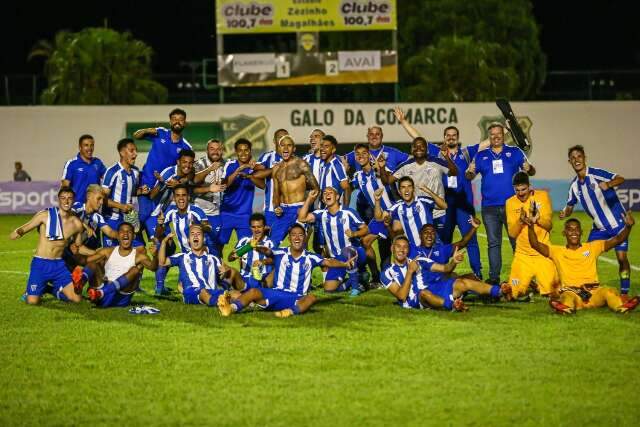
<point x="180" y="186"/>
<point x="187" y="153"/>
<point x="427" y="226"/>
<point x="406" y="178"/>
<point x="242" y="141"/>
<point x="578" y="148"/>
<point x="401" y="237"/>
<point x="297" y="225"/>
<point x="332" y="139"/>
<point x="178" y="111"/>
<point x="520" y="178"/>
<point x="124" y="142"/>
<point x="66" y="190"/>
<point x="449" y="128"/>
<point x="278" y="131"/>
<point x="419" y="139"/>
<point x="122" y="224"/>
<point x="360" y="145"/>
<point x="572" y="220"/>
<point x="83" y="137"/>
<point x="495" y="125"/>
<point x="318" y="130"/>
<point x="257" y="217"/>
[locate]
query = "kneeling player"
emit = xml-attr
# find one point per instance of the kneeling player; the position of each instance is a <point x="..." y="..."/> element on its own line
<point x="527" y="263"/>
<point x="201" y="274"/>
<point x="117" y="270"/>
<point x="292" y="277"/>
<point x="577" y="267"/>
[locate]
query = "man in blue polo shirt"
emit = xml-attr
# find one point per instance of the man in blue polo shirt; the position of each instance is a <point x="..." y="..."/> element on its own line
<point x="497" y="166"/>
<point x="83" y="170"/>
<point x="166" y="145"/>
<point x="332" y="171"/>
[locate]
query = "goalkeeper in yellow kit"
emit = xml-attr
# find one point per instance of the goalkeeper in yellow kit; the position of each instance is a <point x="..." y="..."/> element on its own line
<point x="527" y="262"/>
<point x="576" y="264"/>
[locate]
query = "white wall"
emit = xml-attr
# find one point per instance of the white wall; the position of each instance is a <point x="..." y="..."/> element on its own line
<point x="43" y="138"/>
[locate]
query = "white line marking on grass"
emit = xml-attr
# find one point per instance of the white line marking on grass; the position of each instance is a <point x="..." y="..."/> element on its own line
<point x="14" y="272"/>
<point x="21" y="251"/>
<point x="603" y="258"/>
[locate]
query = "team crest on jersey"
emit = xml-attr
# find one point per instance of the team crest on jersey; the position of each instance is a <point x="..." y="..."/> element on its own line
<point x="34" y="288"/>
<point x="508" y="154"/>
<point x="307" y="266"/>
<point x="343" y="221"/>
<point x="162" y="140"/>
<point x="586" y="254"/>
<point x="515" y="281"/>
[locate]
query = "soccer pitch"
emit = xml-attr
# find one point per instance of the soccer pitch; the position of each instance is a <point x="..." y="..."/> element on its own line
<point x="349" y="361"/>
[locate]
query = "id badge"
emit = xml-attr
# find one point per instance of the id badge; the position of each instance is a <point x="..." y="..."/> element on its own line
<point x="497" y="166"/>
<point x="452" y="182"/>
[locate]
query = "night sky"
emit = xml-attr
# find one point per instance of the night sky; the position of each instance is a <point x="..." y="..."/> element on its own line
<point x="608" y="38"/>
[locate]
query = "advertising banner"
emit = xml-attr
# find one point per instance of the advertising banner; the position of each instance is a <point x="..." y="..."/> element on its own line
<point x="293" y="16"/>
<point x="27" y="197"/>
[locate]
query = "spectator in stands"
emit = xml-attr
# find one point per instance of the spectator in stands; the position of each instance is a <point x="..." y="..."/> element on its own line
<point x="20" y="174"/>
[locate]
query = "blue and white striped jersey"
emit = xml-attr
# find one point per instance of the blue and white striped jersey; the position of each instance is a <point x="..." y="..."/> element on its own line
<point x="200" y="272"/>
<point x="293" y="274"/>
<point x="331" y="174"/>
<point x="246" y="260"/>
<point x="182" y="221"/>
<point x="368" y="183"/>
<point x="413" y="216"/>
<point x="396" y="273"/>
<point x="424" y="276"/>
<point x="122" y="185"/>
<point x="269" y="159"/>
<point x="165" y="195"/>
<point x="316" y="164"/>
<point x="334" y="227"/>
<point x="603" y="206"/>
<point x="94" y="220"/>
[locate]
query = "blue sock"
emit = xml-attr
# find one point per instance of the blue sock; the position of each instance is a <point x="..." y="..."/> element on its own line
<point x="295" y="308"/>
<point x="625" y="282"/>
<point x="161" y="274"/>
<point x="495" y="291"/>
<point x="238" y="304"/>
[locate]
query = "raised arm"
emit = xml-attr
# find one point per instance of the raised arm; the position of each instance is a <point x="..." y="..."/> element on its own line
<point x="623" y="234"/>
<point x="402" y="292"/>
<point x="440" y="203"/>
<point x="163" y="261"/>
<point x="148" y="263"/>
<point x="141" y="133"/>
<point x="304" y="216"/>
<point x="34" y="222"/>
<point x="475" y="223"/>
<point x="411" y="131"/>
<point x="378" y="213"/>
<point x="456" y="258"/>
<point x="541" y="248"/>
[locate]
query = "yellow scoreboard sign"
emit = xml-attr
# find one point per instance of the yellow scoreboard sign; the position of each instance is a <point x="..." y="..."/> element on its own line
<point x="292" y="16"/>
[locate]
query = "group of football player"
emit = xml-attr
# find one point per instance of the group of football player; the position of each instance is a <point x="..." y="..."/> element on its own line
<point x="179" y="211"/>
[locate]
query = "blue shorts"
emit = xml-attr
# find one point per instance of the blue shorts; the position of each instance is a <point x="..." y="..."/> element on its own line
<point x="378" y="228"/>
<point x="111" y="297"/>
<point x="340" y="273"/>
<point x="231" y="222"/>
<point x="114" y="223"/>
<point x="191" y="295"/>
<point x="596" y="234"/>
<point x="280" y="227"/>
<point x="48" y="271"/>
<point x="276" y="299"/>
<point x="443" y="289"/>
<point x="251" y="282"/>
<point x="213" y="236"/>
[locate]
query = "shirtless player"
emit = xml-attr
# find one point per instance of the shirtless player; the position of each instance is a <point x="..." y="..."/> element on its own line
<point x="292" y="177"/>
<point x="57" y="228"/>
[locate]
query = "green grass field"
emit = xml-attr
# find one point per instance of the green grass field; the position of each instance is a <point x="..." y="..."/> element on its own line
<point x="361" y="361"/>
